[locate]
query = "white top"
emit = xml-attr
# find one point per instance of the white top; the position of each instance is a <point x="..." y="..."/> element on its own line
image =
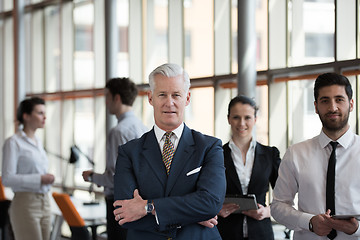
<point x="128" y="128"/>
<point x="243" y="170"/>
<point x="24" y="161"/>
<point x="303" y="171"/>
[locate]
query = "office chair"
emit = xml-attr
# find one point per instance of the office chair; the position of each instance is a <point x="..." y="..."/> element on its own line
<point x="71" y="216"/>
<point x="4" y="213"/>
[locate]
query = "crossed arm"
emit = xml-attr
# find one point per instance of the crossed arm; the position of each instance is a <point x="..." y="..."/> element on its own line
<point x="197" y="198"/>
<point x="134" y="209"/>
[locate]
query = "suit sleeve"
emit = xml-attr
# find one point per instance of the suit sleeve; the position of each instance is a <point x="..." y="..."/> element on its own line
<point x="124" y="185"/>
<point x="282" y="207"/>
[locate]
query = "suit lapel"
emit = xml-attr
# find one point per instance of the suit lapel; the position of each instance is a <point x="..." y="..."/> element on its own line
<point x="152" y="154"/>
<point x="256" y="167"/>
<point x="230" y="168"/>
<point x="183" y="152"/>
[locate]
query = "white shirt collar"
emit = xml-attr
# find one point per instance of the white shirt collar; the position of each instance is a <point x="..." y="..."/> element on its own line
<point x="159" y="133"/>
<point x="344" y="140"/>
<point x="251" y="147"/>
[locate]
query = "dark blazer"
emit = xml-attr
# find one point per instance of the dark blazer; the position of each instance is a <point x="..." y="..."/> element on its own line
<point x="183" y="198"/>
<point x="265" y="170"/>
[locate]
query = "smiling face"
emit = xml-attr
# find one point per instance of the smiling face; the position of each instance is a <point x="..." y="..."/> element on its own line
<point x="242" y="120"/>
<point x="37" y="117"/>
<point x="333" y="107"/>
<point x="169" y="100"/>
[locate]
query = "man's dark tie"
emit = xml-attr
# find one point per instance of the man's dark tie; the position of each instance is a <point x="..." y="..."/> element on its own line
<point x="330" y="186"/>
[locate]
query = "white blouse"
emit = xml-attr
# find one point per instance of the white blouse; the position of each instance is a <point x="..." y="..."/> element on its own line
<point x="243" y="170"/>
<point x="23" y="163"/>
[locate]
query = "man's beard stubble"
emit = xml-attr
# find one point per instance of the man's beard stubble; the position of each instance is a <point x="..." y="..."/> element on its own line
<point x="334" y="126"/>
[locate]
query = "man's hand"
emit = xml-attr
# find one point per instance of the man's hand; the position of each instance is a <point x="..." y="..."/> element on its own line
<point x="47" y="179"/>
<point x="210" y="223"/>
<point x="130" y="210"/>
<point x="259" y="214"/>
<point x="227" y="209"/>
<point x="348" y="226"/>
<point x="86" y="175"/>
<point x="320" y="224"/>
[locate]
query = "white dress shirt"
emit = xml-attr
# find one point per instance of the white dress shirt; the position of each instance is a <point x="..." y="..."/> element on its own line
<point x="243" y="170"/>
<point x="159" y="133"/>
<point x="303" y="170"/>
<point x="24" y="161"/>
<point x="128" y="128"/>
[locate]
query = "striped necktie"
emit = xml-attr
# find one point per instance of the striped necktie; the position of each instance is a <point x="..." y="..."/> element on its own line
<point x="168" y="151"/>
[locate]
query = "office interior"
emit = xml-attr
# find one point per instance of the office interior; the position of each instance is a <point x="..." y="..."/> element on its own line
<point x="64" y="50"/>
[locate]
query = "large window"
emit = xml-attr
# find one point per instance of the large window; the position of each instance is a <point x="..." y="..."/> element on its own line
<point x="65" y="61"/>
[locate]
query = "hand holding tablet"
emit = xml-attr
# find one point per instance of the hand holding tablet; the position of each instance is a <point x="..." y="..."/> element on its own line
<point x="247" y="202"/>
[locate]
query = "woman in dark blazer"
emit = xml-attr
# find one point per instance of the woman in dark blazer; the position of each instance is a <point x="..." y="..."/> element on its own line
<point x="250" y="167"/>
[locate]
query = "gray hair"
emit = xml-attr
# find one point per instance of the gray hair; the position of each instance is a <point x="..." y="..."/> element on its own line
<point x="169" y="70"/>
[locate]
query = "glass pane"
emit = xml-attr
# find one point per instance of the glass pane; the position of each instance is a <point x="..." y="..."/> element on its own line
<point x="304" y="123"/>
<point x="27" y="25"/>
<point x="156" y="34"/>
<point x="84" y="125"/>
<point x="234" y="27"/>
<point x="353" y="118"/>
<point x="52" y="138"/>
<point x="67" y="140"/>
<point x="261" y="18"/>
<point x="8" y="5"/>
<point x="84" y="51"/>
<point x="199" y="38"/>
<point x="52" y="48"/>
<point x="99" y="155"/>
<point x="198" y="115"/>
<point x="311" y="28"/>
<point x="8" y="85"/>
<point x="37" y="52"/>
<point x="262" y="121"/>
<point x="35" y="1"/>
<point x="123" y="29"/>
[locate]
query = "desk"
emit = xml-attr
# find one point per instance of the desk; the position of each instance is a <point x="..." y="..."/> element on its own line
<point x="93" y="215"/>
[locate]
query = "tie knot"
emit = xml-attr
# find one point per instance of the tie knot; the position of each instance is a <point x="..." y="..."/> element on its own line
<point x="168" y="135"/>
<point x="334" y="144"/>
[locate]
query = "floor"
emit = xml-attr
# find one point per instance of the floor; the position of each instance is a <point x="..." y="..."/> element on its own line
<point x="279" y="233"/>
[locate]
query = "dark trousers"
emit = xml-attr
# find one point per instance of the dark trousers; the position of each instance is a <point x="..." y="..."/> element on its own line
<point x="114" y="230"/>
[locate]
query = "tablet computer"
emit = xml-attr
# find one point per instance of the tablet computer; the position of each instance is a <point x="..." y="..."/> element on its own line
<point x="346" y="216"/>
<point x="247" y="202"/>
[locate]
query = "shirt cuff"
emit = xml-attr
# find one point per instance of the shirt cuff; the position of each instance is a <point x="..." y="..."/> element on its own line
<point x="156" y="217"/>
<point x="304" y="221"/>
<point x="357" y="233"/>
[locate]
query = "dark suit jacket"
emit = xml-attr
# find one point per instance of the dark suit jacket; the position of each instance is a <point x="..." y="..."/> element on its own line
<point x="265" y="170"/>
<point x="181" y="199"/>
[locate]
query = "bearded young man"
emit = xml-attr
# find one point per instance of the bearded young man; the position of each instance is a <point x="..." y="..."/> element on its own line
<point x="324" y="170"/>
